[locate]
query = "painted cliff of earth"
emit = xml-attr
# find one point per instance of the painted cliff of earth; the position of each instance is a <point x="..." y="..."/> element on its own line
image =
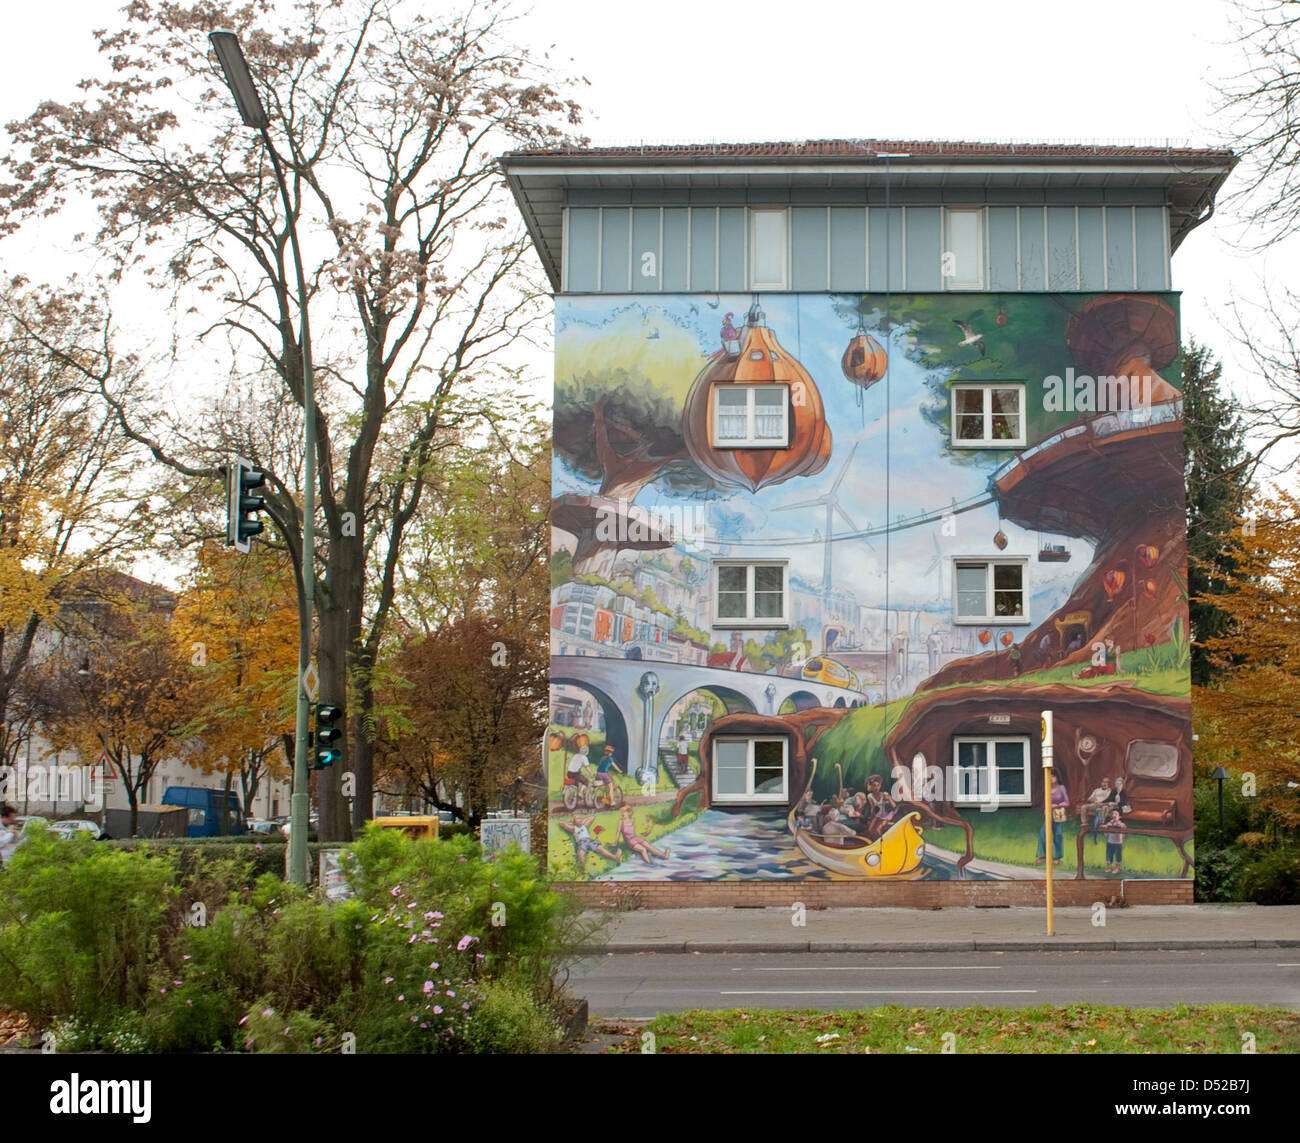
<point x="818" y="563"/>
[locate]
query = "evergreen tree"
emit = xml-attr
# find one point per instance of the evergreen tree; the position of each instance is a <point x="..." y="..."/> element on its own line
<point x="1216" y="468"/>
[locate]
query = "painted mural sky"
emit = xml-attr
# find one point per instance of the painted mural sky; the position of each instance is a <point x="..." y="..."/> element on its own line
<point x="669" y="340"/>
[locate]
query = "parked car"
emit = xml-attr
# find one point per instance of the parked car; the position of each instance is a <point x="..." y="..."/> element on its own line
<point x="71" y="827"/>
<point x="270" y="828"/>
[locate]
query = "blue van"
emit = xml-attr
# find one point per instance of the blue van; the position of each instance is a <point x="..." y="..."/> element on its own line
<point x="204" y="808"/>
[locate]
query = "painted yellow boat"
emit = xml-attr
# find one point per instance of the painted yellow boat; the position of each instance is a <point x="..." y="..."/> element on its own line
<point x="896" y="853"/>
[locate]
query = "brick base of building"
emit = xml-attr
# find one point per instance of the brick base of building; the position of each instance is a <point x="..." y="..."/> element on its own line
<point x="884" y="894"/>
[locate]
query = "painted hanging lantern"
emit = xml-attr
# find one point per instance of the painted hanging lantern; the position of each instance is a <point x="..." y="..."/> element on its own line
<point x="760" y="360"/>
<point x="555" y="741"/>
<point x="1147" y="555"/>
<point x="864" y="360"/>
<point x="1007" y="639"/>
<point x="580" y="741"/>
<point x="1000" y="539"/>
<point x="1112" y="581"/>
<point x="984" y="637"/>
<point x="1001" y="319"/>
<point x="1149" y="588"/>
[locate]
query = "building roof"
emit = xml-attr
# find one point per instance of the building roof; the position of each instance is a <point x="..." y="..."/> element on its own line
<point x="855" y="171"/>
<point x="877" y="148"/>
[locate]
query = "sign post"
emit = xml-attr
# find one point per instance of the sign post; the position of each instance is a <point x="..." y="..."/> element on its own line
<point x="1048" y="752"/>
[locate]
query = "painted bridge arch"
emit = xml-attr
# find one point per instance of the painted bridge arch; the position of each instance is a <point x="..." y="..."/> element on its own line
<point x="636" y="695"/>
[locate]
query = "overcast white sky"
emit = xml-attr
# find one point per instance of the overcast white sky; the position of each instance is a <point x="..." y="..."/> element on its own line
<point x="692" y="70"/>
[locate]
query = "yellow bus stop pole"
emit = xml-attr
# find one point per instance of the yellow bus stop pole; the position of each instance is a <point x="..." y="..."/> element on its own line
<point x="1047" y="808"/>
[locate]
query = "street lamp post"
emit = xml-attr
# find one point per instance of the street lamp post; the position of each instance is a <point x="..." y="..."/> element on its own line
<point x="1220" y="775"/>
<point x="240" y="81"/>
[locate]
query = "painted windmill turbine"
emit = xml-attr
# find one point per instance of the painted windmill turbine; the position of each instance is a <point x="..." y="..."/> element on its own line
<point x="830" y="501"/>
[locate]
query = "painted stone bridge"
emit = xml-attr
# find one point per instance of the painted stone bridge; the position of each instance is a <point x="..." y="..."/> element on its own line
<point x="635" y="695"/>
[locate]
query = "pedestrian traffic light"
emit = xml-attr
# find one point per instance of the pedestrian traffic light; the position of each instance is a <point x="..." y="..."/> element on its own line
<point x="327" y="733"/>
<point x="241" y="506"/>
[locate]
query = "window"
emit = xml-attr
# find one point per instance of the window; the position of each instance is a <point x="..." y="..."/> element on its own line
<point x="751" y="416"/>
<point x="749" y="595"/>
<point x="749" y="770"/>
<point x="963" y="250"/>
<point x="990" y="591"/>
<point x="988" y="416"/>
<point x="767" y="251"/>
<point x="990" y="769"/>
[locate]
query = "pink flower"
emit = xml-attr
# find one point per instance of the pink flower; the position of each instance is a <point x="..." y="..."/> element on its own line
<point x="437" y="1010"/>
<point x="388" y="980"/>
<point x="450" y="993"/>
<point x="465" y="1007"/>
<point x="241" y="1022"/>
<point x="400" y="996"/>
<point x="428" y="987"/>
<point x="464" y="943"/>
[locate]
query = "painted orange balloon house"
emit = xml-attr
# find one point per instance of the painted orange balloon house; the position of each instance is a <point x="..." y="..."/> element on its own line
<point x="761" y="360"/>
<point x="1000" y="539"/>
<point x="1007" y="639"/>
<point x="984" y="637"/>
<point x="864" y="360"/>
<point x="1149" y="588"/>
<point x="1147" y="555"/>
<point x="1112" y="581"/>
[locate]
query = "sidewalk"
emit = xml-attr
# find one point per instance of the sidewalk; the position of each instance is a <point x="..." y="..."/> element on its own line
<point x="960" y="929"/>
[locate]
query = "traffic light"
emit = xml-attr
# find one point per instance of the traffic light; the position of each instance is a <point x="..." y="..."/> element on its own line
<point x="241" y="506"/>
<point x="326" y="734"/>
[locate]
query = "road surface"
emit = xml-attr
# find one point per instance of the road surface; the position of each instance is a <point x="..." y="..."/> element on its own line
<point x="632" y="985"/>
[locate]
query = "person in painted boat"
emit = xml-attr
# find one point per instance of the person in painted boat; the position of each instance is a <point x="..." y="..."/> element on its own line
<point x="879" y="815"/>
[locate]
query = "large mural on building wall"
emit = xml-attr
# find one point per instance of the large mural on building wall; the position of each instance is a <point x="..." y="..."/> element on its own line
<point x="877" y="734"/>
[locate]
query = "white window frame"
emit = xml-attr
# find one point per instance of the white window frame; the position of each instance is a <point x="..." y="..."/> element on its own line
<point x="987" y="441"/>
<point x="751" y="798"/>
<point x="964" y="283"/>
<point x="990" y="562"/>
<point x="990" y="741"/>
<point x="749" y="620"/>
<point x="750" y="440"/>
<point x="784" y="282"/>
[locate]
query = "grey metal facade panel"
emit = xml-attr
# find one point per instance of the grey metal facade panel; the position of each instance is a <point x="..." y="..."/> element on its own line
<point x="584" y="241"/>
<point x="1062" y="251"/>
<point x="645" y="241"/>
<point x="924" y="248"/>
<point x="808" y="254"/>
<point x="704" y="252"/>
<point x="1119" y="248"/>
<point x="885" y="247"/>
<point x="732" y="231"/>
<point x="615" y="230"/>
<point x="1002" y="246"/>
<point x="673" y="269"/>
<point x="848" y="248"/>
<point x="1092" y="254"/>
<point x="1033" y="249"/>
<point x="1151" y="265"/>
<point x="597" y="196"/>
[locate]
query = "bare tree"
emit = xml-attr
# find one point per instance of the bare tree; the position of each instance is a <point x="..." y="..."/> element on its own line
<point x="389" y="121"/>
<point x="1260" y="119"/>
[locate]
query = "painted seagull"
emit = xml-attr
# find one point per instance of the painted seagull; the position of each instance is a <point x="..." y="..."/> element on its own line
<point x="971" y="337"/>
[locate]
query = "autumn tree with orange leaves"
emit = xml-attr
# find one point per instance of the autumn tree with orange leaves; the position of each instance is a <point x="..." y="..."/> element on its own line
<point x="238" y="624"/>
<point x="1252" y="717"/>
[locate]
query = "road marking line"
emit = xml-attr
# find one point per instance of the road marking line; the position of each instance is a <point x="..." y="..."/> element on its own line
<point x="1293" y="964"/>
<point x="881" y="992"/>
<point x="880" y="968"/>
